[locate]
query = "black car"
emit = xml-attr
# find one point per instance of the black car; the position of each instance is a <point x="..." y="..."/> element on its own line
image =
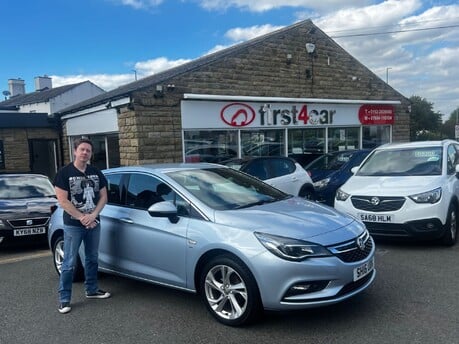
<point x="25" y="208"/>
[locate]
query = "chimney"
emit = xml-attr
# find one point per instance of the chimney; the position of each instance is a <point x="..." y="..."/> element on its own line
<point x="42" y="82"/>
<point x="16" y="86"/>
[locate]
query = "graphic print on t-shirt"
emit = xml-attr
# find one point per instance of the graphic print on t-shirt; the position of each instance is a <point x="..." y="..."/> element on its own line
<point x="83" y="190"/>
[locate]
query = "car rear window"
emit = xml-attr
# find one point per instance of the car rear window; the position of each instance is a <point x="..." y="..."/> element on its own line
<point x="13" y="187"/>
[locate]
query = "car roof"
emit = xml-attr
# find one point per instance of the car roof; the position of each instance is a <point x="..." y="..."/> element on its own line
<point x="415" y="144"/>
<point x="163" y="168"/>
<point x="246" y="159"/>
<point x="22" y="175"/>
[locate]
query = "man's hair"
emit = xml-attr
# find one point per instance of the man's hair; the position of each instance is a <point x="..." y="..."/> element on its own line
<point x="81" y="140"/>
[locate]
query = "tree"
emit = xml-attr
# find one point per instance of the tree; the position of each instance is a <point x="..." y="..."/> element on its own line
<point x="425" y="124"/>
<point x="449" y="127"/>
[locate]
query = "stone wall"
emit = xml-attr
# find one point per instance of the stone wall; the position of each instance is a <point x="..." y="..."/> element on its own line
<point x="258" y="69"/>
<point x="16" y="146"/>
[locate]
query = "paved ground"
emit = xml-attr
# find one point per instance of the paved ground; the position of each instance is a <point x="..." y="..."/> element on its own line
<point x="415" y="299"/>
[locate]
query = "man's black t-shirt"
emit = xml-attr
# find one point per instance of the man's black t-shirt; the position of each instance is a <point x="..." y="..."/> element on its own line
<point x="83" y="189"/>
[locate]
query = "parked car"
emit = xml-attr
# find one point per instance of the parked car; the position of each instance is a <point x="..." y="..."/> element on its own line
<point x="330" y="171"/>
<point x="278" y="171"/>
<point x="406" y="190"/>
<point x="210" y="153"/>
<point x="25" y="208"/>
<point x="265" y="149"/>
<point x="239" y="243"/>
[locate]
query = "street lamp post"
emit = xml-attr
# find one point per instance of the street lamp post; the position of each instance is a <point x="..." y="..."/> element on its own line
<point x="387" y="74"/>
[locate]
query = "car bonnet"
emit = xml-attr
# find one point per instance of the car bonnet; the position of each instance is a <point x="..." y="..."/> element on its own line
<point x="294" y="218"/>
<point x="390" y="186"/>
<point x="16" y="208"/>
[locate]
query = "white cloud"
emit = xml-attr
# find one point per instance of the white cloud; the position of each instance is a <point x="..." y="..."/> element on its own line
<point x="243" y="34"/>
<point x="267" y="5"/>
<point x="104" y="81"/>
<point x="417" y="61"/>
<point x="139" y="4"/>
<point x="110" y="81"/>
<point x="156" y="65"/>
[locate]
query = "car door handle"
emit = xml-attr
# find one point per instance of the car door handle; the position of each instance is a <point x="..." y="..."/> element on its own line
<point x="126" y="220"/>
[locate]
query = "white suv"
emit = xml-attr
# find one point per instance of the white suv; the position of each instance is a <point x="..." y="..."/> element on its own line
<point x="406" y="190"/>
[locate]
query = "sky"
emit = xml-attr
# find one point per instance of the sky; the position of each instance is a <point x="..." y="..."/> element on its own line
<point x="411" y="44"/>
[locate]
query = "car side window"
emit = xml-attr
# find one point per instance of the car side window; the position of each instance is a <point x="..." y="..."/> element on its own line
<point x="280" y="167"/>
<point x="141" y="192"/>
<point x="258" y="169"/>
<point x="114" y="188"/>
<point x="144" y="191"/>
<point x="452" y="157"/>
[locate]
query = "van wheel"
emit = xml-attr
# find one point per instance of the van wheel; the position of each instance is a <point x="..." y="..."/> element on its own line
<point x="229" y="291"/>
<point x="58" y="258"/>
<point x="450" y="236"/>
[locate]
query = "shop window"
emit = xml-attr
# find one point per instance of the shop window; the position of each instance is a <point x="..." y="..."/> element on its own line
<point x="375" y="135"/>
<point x="210" y="145"/>
<point x="262" y="143"/>
<point x="340" y="139"/>
<point x="306" y="141"/>
<point x="106" y="151"/>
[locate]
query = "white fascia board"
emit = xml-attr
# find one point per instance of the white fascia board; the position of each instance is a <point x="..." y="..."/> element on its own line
<point x="100" y="107"/>
<point x="192" y="96"/>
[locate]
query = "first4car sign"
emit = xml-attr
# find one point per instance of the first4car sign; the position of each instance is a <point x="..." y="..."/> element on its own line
<point x="217" y="114"/>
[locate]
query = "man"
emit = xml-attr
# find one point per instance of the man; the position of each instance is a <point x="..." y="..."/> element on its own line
<point x="81" y="191"/>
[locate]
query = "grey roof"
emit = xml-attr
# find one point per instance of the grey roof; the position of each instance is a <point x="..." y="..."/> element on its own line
<point x="40" y="96"/>
<point x="126" y="90"/>
<point x="26" y="120"/>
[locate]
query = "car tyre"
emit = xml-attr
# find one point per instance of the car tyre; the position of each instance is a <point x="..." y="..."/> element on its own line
<point x="229" y="291"/>
<point x="450" y="236"/>
<point x="58" y="257"/>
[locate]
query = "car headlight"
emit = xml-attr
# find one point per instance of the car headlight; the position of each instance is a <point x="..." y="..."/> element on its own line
<point x="320" y="184"/>
<point x="291" y="249"/>
<point x="341" y="195"/>
<point x="432" y="196"/>
<point x="2" y="224"/>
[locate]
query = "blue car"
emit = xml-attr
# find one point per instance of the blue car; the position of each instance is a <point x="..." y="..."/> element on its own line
<point x="330" y="171"/>
<point x="237" y="242"/>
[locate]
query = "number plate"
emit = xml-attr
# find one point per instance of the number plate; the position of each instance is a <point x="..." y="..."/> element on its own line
<point x="379" y="218"/>
<point x="364" y="269"/>
<point x="29" y="231"/>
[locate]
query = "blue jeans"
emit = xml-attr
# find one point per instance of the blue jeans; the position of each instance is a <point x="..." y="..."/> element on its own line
<point x="73" y="236"/>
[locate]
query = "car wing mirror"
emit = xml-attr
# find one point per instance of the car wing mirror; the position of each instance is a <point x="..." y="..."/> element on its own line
<point x="457" y="171"/>
<point x="164" y="209"/>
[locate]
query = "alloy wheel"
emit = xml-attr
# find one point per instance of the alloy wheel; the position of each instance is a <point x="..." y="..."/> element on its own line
<point x="226" y="292"/>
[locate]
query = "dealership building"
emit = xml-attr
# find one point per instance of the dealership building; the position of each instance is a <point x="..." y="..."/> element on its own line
<point x="294" y="92"/>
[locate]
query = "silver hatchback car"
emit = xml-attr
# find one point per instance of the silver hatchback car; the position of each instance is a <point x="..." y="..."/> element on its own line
<point x="239" y="243"/>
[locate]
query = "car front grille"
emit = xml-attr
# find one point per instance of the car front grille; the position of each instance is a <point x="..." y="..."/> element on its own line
<point x="29" y="222"/>
<point x="377" y="204"/>
<point x="354" y="250"/>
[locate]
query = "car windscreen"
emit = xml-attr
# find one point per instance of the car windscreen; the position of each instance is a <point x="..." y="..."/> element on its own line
<point x="419" y="161"/>
<point x="332" y="161"/>
<point x="27" y="186"/>
<point x="226" y="188"/>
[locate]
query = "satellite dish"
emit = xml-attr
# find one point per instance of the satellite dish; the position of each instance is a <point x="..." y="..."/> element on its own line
<point x="6" y="93"/>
